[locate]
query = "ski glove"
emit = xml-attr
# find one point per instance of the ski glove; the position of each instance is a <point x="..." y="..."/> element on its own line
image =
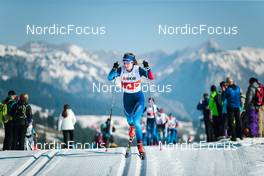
<point x="145" y="64"/>
<point x="115" y="66"/>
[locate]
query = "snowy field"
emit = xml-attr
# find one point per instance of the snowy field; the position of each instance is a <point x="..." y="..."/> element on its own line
<point x="242" y="158"/>
<point x="94" y="121"/>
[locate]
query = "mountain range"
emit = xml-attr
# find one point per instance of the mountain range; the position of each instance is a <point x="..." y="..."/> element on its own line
<point x="58" y="74"/>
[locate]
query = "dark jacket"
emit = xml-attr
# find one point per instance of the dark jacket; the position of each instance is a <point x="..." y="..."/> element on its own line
<point x="251" y="92"/>
<point x="203" y="106"/>
<point x="21" y="117"/>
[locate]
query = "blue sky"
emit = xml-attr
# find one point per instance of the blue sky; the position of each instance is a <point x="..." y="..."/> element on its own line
<point x="133" y="25"/>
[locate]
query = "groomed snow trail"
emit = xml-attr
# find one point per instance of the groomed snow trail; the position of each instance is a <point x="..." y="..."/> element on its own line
<point x="247" y="158"/>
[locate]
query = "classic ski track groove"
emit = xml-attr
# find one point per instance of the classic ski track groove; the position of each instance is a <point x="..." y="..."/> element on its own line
<point x="39" y="163"/>
<point x="245" y="160"/>
<point x="27" y="164"/>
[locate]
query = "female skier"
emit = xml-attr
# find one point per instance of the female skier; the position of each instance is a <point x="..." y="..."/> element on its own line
<point x="133" y="99"/>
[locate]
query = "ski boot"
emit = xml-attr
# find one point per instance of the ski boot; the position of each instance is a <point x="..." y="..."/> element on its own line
<point x="141" y="150"/>
<point x="131" y="131"/>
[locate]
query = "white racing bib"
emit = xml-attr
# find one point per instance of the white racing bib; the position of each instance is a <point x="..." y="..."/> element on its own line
<point x="161" y="119"/>
<point x="172" y="123"/>
<point x="151" y="111"/>
<point x="130" y="81"/>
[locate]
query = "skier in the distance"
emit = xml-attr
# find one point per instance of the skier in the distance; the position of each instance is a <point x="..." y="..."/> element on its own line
<point x="151" y="111"/>
<point x="133" y="99"/>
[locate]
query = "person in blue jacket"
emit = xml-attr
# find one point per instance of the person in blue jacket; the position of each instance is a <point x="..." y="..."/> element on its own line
<point x="232" y="96"/>
<point x="133" y="98"/>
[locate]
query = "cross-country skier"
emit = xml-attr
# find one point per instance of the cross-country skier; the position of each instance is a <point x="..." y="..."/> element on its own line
<point x="172" y="130"/>
<point x="151" y="111"/>
<point x="161" y="120"/>
<point x="133" y="99"/>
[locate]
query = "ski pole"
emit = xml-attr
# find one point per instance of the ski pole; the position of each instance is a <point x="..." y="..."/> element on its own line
<point x="149" y="85"/>
<point x="112" y="103"/>
<point x="111" y="112"/>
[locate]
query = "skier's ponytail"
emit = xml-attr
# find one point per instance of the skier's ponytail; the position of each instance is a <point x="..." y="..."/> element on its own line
<point x="65" y="110"/>
<point x="135" y="62"/>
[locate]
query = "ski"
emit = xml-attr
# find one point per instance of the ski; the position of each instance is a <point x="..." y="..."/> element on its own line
<point x="142" y="156"/>
<point x="128" y="150"/>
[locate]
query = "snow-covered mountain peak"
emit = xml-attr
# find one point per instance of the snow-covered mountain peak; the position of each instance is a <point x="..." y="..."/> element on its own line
<point x="218" y="62"/>
<point x="37" y="47"/>
<point x="69" y="67"/>
<point x="11" y="51"/>
<point x="76" y="50"/>
<point x="208" y="47"/>
<point x="41" y="48"/>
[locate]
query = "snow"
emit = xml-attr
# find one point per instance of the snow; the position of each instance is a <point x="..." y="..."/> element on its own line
<point x="44" y="113"/>
<point x="245" y="158"/>
<point x="56" y="64"/>
<point x="2" y="50"/>
<point x="76" y="50"/>
<point x="231" y="61"/>
<point x="94" y="121"/>
<point x="11" y="50"/>
<point x="4" y="77"/>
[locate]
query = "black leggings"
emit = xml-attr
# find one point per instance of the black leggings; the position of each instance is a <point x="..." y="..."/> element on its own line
<point x="67" y="136"/>
<point x="235" y="122"/>
<point x="19" y="137"/>
<point x="218" y="126"/>
<point x="9" y="133"/>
